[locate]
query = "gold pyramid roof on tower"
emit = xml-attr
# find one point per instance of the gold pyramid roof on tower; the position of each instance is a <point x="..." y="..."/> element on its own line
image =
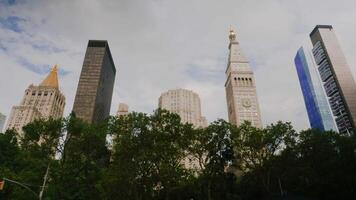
<point x="52" y="79"/>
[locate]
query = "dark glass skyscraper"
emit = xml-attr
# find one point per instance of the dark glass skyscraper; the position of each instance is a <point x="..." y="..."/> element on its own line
<point x="336" y="76"/>
<point x="94" y="93"/>
<point x="316" y="103"/>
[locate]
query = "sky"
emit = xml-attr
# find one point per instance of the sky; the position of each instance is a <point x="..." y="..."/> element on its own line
<point x="159" y="45"/>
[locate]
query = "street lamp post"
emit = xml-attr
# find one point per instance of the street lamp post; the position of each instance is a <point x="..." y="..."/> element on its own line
<point x="20" y="184"/>
<point x="44" y="183"/>
<point x="26" y="186"/>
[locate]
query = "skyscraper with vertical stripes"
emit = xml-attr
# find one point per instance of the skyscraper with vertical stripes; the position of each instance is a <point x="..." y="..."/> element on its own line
<point x="336" y="77"/>
<point x="96" y="83"/>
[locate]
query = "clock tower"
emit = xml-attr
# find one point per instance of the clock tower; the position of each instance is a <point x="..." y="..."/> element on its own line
<point x="240" y="86"/>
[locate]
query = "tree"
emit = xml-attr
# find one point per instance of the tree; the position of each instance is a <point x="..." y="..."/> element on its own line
<point x="31" y="156"/>
<point x="9" y="160"/>
<point x="84" y="159"/>
<point x="256" y="149"/>
<point x="147" y="156"/>
<point x="324" y="165"/>
<point x="212" y="148"/>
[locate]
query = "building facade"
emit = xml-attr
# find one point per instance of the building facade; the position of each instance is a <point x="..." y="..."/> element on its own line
<point x="185" y="103"/>
<point x="316" y="102"/>
<point x="2" y="122"/>
<point x="122" y="110"/>
<point x="240" y="86"/>
<point x="39" y="102"/>
<point x="94" y="93"/>
<point x="336" y="76"/>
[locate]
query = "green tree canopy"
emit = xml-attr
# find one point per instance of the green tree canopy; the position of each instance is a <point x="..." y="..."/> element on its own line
<point x="140" y="156"/>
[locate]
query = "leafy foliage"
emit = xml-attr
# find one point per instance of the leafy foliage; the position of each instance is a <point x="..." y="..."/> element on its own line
<point x="158" y="157"/>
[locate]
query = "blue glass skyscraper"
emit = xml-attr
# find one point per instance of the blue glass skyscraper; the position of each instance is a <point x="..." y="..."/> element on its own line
<point x="316" y="103"/>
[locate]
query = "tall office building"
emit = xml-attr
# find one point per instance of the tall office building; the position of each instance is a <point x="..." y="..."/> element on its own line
<point x="43" y="101"/>
<point x="185" y="103"/>
<point x="94" y="93"/>
<point x="316" y="102"/>
<point x="336" y="76"/>
<point x="2" y="122"/>
<point x="240" y="87"/>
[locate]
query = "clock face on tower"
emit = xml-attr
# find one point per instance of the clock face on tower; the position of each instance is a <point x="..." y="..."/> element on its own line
<point x="246" y="103"/>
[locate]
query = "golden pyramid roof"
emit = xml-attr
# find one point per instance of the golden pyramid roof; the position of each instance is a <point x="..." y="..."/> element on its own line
<point x="52" y="79"/>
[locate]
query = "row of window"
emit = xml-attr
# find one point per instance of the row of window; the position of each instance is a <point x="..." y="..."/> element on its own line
<point x="324" y="70"/>
<point x="46" y="93"/>
<point x="243" y="79"/>
<point x="330" y="87"/>
<point x="21" y="117"/>
<point x="318" y="53"/>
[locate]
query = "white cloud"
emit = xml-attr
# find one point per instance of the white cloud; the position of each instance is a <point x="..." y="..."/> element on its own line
<point x="160" y="45"/>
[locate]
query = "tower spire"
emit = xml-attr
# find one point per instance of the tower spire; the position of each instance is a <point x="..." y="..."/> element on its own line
<point x="235" y="54"/>
<point x="232" y="35"/>
<point x="240" y="87"/>
<point x="52" y="78"/>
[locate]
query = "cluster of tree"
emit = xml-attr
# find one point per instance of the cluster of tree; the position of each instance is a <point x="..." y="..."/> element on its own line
<point x="145" y="159"/>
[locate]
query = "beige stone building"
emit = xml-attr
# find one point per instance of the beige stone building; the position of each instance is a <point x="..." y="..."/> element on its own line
<point x="43" y="101"/>
<point x="122" y="110"/>
<point x="2" y="121"/>
<point x="186" y="104"/>
<point x="240" y="87"/>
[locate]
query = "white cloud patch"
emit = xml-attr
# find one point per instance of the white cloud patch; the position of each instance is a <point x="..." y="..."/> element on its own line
<point x="160" y="45"/>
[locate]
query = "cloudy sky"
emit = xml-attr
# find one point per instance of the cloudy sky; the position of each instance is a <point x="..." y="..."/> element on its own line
<point x="161" y="44"/>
